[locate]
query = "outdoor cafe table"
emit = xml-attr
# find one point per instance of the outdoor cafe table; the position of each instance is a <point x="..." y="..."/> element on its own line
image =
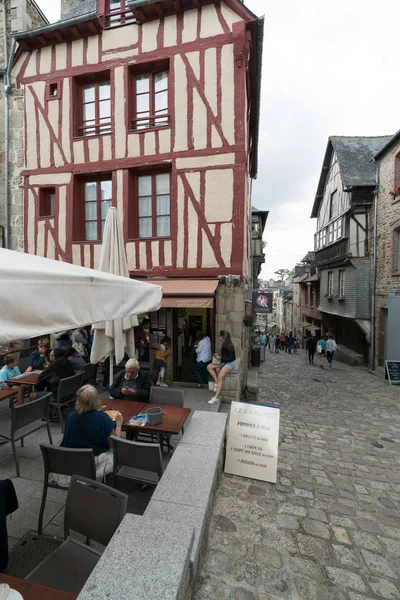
<point x="174" y="417"/>
<point x="34" y="591"/>
<point x="27" y="379"/>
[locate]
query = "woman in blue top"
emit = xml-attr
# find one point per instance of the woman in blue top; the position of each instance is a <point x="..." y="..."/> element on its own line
<point x="321" y="346"/>
<point x="88" y="427"/>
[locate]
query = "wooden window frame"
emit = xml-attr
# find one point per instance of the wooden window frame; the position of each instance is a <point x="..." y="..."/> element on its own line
<point x="49" y="87"/>
<point x="396" y="249"/>
<point x="124" y="15"/>
<point x="80" y="82"/>
<point x="331" y="215"/>
<point x="342" y="284"/>
<point x="45" y="194"/>
<point x="330" y="284"/>
<point x="151" y="69"/>
<point x="79" y="216"/>
<point x="133" y="223"/>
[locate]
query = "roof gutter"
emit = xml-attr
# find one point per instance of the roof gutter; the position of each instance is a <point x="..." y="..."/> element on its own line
<point x="138" y="3"/>
<point x="374" y="272"/>
<point x="257" y="109"/>
<point x="58" y="25"/>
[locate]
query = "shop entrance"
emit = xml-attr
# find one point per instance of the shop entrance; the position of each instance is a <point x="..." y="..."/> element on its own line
<point x="186" y="322"/>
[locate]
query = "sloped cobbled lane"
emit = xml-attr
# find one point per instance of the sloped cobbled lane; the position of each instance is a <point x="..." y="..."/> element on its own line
<point x="330" y="528"/>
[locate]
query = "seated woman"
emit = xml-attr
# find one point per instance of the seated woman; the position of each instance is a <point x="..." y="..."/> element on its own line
<point x="78" y="362"/>
<point x="88" y="427"/>
<point x="227" y="357"/>
<point x="40" y="358"/>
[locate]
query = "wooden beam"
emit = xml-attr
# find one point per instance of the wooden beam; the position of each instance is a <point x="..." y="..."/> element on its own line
<point x="139" y="15"/>
<point x="160" y="10"/>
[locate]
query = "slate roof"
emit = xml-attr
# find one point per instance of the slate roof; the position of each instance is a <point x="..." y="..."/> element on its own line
<point x="392" y="140"/>
<point x="355" y="156"/>
<point x="309" y="257"/>
<point x="355" y="159"/>
<point x="82" y="8"/>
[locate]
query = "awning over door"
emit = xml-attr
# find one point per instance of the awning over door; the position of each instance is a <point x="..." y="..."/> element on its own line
<point x="187" y="293"/>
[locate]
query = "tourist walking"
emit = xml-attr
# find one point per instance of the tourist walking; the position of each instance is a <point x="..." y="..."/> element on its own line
<point x="330" y="348"/>
<point x="203" y="358"/>
<point x="321" y="346"/>
<point x="310" y="349"/>
<point x="272" y="343"/>
<point x="289" y="342"/>
<point x="227" y="357"/>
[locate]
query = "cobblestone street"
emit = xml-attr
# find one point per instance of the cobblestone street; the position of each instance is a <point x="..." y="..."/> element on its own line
<point x="329" y="529"/>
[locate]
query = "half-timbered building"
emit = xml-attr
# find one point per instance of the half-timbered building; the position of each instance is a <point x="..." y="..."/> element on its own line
<point x="343" y="241"/>
<point x="151" y="107"/>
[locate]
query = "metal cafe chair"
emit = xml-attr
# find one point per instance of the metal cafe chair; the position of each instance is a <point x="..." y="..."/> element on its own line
<point x="26" y="419"/>
<point x="64" y="461"/>
<point x="66" y="394"/>
<point x="93" y="510"/>
<point x="136" y="461"/>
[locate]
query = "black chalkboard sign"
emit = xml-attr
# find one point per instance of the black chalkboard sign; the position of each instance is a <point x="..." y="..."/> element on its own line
<point x="393" y="371"/>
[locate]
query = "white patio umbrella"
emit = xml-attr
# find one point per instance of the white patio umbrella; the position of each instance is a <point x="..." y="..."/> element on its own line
<point x="116" y="336"/>
<point x="39" y="296"/>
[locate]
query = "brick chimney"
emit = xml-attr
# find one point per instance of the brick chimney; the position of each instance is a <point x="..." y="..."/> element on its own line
<point x="67" y="5"/>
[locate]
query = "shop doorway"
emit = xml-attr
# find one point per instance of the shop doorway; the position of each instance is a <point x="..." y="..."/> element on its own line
<point x="186" y="322"/>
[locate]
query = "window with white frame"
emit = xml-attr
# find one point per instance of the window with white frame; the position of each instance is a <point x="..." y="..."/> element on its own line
<point x="337" y="230"/>
<point x="330" y="283"/>
<point x="330" y="233"/>
<point x="342" y="280"/>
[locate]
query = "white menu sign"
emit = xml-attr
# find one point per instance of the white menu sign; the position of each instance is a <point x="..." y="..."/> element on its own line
<point x="253" y="435"/>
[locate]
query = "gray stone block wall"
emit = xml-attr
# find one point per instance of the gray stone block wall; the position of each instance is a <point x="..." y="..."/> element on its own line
<point x="230" y="311"/>
<point x="388" y="220"/>
<point x="22" y="15"/>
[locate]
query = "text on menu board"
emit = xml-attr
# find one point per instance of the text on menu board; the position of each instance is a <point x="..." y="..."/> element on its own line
<point x="253" y="435"/>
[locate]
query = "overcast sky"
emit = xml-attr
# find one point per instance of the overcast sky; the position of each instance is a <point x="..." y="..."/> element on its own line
<point x="330" y="68"/>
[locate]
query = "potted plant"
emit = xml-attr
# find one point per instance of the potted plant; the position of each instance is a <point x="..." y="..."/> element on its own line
<point x="395" y="192"/>
<point x="248" y="321"/>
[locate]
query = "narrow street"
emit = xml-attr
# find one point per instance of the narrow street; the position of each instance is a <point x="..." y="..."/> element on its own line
<point x="329" y="529"/>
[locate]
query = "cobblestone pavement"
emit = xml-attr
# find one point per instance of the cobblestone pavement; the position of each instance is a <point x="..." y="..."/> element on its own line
<point x="330" y="528"/>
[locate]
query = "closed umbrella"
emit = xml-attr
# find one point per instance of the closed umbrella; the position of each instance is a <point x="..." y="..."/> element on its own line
<point x="113" y="338"/>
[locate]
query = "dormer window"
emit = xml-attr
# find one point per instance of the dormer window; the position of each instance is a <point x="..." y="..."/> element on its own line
<point x="118" y="13"/>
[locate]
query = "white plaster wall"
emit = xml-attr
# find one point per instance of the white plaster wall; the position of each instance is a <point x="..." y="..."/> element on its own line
<point x="219" y="195"/>
<point x="210" y="24"/>
<point x="120" y="37"/>
<point x="181" y="105"/>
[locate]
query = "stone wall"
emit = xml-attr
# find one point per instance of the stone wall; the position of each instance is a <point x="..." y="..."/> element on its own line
<point x="22" y="15"/>
<point x="388" y="277"/>
<point x="230" y="313"/>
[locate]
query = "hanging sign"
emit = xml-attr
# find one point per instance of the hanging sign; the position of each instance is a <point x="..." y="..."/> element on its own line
<point x="253" y="436"/>
<point x="262" y="302"/>
<point x="393" y="370"/>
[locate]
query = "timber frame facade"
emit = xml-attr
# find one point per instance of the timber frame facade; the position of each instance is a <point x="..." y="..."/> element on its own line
<point x="153" y="109"/>
<point x="207" y="144"/>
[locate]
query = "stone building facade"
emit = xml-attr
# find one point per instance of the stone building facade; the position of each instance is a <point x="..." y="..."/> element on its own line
<point x="22" y="15"/>
<point x="388" y="249"/>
